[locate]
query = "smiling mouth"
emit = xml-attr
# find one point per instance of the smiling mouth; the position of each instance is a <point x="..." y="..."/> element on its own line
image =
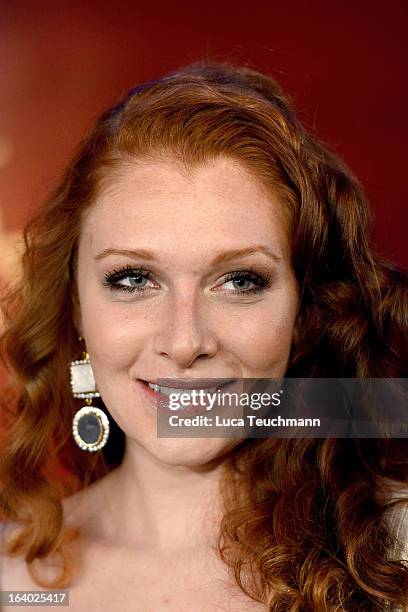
<point x="177" y="390"/>
<point x="185" y="384"/>
<point x="160" y="394"/>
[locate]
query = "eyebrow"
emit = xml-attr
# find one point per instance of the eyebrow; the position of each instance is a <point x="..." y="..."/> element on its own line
<point x="218" y="259"/>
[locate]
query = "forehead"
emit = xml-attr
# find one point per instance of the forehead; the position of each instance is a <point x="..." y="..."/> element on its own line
<point x="159" y="203"/>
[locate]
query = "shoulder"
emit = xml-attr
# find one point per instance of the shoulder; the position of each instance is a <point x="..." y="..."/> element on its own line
<point x="14" y="575"/>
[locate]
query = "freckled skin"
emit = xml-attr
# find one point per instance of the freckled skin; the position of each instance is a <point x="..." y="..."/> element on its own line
<point x="189" y="323"/>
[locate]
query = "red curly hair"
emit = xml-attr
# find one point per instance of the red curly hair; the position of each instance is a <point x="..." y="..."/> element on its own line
<point x="303" y="528"/>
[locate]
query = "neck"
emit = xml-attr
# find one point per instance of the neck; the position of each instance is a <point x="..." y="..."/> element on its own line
<point x="155" y="504"/>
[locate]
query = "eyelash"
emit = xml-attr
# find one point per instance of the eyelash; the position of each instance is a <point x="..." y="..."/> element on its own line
<point x="112" y="279"/>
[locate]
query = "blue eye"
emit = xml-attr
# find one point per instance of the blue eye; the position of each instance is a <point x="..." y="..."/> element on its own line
<point x="127" y="279"/>
<point x="135" y="281"/>
<point x="243" y="278"/>
<point x="131" y="280"/>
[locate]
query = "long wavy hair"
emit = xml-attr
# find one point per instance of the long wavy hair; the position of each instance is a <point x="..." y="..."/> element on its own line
<point x="304" y="528"/>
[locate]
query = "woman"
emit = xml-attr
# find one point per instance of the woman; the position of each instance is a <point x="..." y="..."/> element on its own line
<point x="200" y="232"/>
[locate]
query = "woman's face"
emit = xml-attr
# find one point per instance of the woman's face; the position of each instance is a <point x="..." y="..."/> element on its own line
<point x="160" y="297"/>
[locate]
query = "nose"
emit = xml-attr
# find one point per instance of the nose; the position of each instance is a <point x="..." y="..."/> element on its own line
<point x="184" y="334"/>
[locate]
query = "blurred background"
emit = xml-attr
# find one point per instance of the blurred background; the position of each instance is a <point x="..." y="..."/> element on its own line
<point x="61" y="63"/>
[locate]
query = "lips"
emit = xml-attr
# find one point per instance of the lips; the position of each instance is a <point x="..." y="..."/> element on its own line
<point x="161" y="402"/>
<point x="189" y="383"/>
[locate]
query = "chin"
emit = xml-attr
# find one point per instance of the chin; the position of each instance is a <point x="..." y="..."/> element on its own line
<point x="190" y="452"/>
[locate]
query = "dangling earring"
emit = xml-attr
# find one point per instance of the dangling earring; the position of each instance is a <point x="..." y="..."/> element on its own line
<point x="90" y="425"/>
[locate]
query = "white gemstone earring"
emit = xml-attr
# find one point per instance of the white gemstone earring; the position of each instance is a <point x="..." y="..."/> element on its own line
<point x="90" y="425"/>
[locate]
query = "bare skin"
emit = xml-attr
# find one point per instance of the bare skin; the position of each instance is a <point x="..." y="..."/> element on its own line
<point x="149" y="528"/>
<point x="117" y="575"/>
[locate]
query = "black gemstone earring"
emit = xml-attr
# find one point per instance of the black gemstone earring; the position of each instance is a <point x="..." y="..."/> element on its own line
<point x="90" y="425"/>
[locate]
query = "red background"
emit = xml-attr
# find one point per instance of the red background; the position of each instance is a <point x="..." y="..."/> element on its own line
<point x="344" y="64"/>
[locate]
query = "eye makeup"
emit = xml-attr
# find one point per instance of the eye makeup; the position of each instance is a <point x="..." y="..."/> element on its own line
<point x="133" y="280"/>
<point x="260" y="282"/>
<point x="113" y="279"/>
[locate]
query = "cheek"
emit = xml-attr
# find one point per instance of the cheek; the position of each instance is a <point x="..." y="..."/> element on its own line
<point x="115" y="338"/>
<point x="263" y="339"/>
<point x="114" y="335"/>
